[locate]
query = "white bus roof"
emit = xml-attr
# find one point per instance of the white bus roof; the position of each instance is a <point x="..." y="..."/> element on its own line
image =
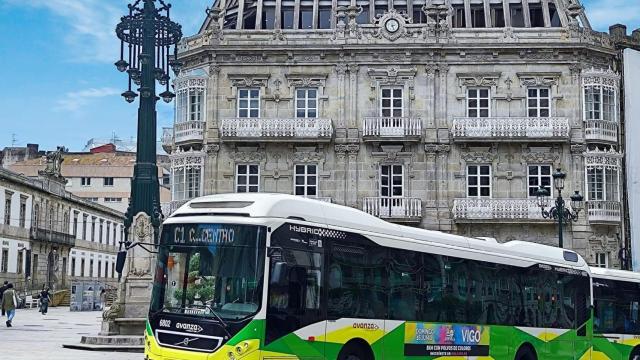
<point x="299" y="208"/>
<point x="613" y="274"/>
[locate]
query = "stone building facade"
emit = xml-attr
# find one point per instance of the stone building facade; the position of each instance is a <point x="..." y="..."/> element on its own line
<point x="51" y="237"/>
<point x="446" y="115"/>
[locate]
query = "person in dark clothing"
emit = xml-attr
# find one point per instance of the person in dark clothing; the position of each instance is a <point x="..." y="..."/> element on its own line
<point x="2" y="289"/>
<point x="9" y="303"/>
<point x="45" y="298"/>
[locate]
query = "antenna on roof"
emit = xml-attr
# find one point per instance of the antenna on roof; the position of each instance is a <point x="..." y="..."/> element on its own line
<point x="14" y="141"/>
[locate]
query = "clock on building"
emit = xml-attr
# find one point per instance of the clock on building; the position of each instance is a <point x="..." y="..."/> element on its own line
<point x="392" y="25"/>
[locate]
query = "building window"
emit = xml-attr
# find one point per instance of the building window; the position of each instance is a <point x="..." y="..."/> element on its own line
<point x="391" y="181"/>
<point x="249" y="103"/>
<point x="195" y="104"/>
<point x="114" y="235"/>
<point x="186" y="182"/>
<point x="307" y="103"/>
<point x="85" y="181"/>
<point x="478" y="102"/>
<point x="602" y="260"/>
<point x="391" y="102"/>
<point x="34" y="271"/>
<point x="7" y="208"/>
<point x="99" y="268"/>
<point x="108" y="233"/>
<point x="20" y="261"/>
<point x="479" y="181"/>
<point x="106" y="268"/>
<point x="306" y="18"/>
<point x="108" y="181"/>
<point x="536" y="15"/>
<point x="93" y="229"/>
<point x="84" y="227"/>
<point x="268" y="17"/>
<point x="5" y="261"/>
<point x="113" y="269"/>
<point x="517" y="15"/>
<point x="92" y="199"/>
<point x="306" y="180"/>
<point x="73" y="266"/>
<point x="602" y="184"/>
<point x="36" y="215"/>
<point x="538" y="102"/>
<point x="477" y="16"/>
<point x="554" y="16"/>
<point x="112" y="199"/>
<point x="75" y="223"/>
<point x="247" y="178"/>
<point x="458" y="18"/>
<point x="91" y="268"/>
<point x="100" y="231"/>
<point x="600" y="103"/>
<point x="497" y="15"/>
<point x="82" y="264"/>
<point x="23" y="212"/>
<point x="324" y="17"/>
<point x="539" y="175"/>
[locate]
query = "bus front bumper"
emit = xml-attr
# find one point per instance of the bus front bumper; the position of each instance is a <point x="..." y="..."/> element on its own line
<point x="154" y="351"/>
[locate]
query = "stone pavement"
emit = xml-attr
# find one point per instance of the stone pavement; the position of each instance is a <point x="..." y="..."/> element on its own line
<point x="34" y="336"/>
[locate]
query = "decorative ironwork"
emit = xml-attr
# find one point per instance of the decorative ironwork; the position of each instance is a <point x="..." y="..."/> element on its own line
<point x="392" y="126"/>
<point x="511" y="128"/>
<point x="601" y="130"/>
<point x="496" y="209"/>
<point x="277" y="128"/>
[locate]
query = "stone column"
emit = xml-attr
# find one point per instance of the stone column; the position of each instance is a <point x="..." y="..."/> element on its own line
<point x="430" y="104"/>
<point x="341" y="132"/>
<point x="213" y="127"/>
<point x="442" y="122"/>
<point x="210" y="169"/>
<point x="352" y="132"/>
<point x="352" y="175"/>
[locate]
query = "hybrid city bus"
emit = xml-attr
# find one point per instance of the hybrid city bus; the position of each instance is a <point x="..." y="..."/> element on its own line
<point x="271" y="276"/>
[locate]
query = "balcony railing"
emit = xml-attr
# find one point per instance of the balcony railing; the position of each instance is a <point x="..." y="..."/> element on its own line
<point x="601" y="130"/>
<point x="511" y="128"/>
<point x="277" y="129"/>
<point x="188" y="131"/>
<point x="496" y="209"/>
<point x="604" y="211"/>
<point x="52" y="237"/>
<point x="392" y="127"/>
<point x="394" y="208"/>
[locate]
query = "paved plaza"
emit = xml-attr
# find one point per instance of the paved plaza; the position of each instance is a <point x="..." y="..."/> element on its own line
<point x="34" y="336"/>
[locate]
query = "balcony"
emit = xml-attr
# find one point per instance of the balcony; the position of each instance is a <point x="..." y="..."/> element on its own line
<point x="392" y="128"/>
<point x="604" y="212"/>
<point x="400" y="209"/>
<point x="496" y="210"/>
<point x="510" y="129"/>
<point x="601" y="130"/>
<point x="188" y="131"/>
<point x="293" y="129"/>
<point x="52" y="237"/>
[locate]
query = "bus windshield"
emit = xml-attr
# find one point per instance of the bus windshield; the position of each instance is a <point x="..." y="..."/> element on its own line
<point x="210" y="270"/>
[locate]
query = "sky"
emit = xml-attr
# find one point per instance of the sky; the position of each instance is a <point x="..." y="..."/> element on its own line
<point x="59" y="83"/>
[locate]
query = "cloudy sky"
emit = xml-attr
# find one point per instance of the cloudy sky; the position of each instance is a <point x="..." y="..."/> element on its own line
<point x="59" y="83"/>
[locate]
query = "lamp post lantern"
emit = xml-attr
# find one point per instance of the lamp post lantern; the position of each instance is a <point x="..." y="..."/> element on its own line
<point x="559" y="212"/>
<point x="147" y="36"/>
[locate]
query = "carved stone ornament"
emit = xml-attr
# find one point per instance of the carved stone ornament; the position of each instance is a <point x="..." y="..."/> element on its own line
<point x="307" y="157"/>
<point x="248" y="156"/>
<point x="344" y="150"/>
<point x="249" y="80"/>
<point x="541" y="79"/>
<point x="478" y="79"/>
<point x="540" y="157"/>
<point x="393" y="75"/>
<point x="479" y="157"/>
<point x="303" y="80"/>
<point x="141" y="231"/>
<point x="212" y="149"/>
<point x="436" y="148"/>
<point x="392" y="25"/>
<point x="341" y="69"/>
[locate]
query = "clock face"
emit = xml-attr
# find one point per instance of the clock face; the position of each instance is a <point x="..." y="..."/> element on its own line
<point x="392" y="25"/>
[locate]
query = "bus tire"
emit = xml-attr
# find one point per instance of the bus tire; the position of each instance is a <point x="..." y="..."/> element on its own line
<point x="356" y="349"/>
<point x="635" y="354"/>
<point x="526" y="352"/>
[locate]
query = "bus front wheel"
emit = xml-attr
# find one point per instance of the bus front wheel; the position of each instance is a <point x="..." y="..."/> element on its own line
<point x="526" y="353"/>
<point x="356" y="350"/>
<point x="635" y="354"/>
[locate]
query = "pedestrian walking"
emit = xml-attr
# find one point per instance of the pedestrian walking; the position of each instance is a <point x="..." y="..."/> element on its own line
<point x="2" y="289"/>
<point x="103" y="298"/>
<point x="45" y="299"/>
<point x="9" y="303"/>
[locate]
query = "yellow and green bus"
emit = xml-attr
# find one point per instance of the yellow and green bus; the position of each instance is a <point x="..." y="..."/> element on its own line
<point x="272" y="276"/>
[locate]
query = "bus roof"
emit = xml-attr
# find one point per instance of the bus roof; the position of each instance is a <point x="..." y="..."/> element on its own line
<point x="299" y="208"/>
<point x="613" y="274"/>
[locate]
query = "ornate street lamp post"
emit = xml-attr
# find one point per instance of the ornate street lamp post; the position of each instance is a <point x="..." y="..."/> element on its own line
<point x="149" y="34"/>
<point x="559" y="212"/>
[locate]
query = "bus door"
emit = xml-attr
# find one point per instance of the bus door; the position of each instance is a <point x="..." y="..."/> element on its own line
<point x="584" y="328"/>
<point x="295" y="314"/>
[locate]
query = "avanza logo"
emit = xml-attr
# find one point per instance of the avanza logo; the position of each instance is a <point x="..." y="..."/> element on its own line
<point x="192" y="328"/>
<point x="318" y="231"/>
<point x="366" y="326"/>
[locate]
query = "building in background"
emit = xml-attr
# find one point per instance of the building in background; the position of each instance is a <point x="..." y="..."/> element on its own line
<point x="48" y="236"/>
<point x="102" y="175"/>
<point x="14" y="154"/>
<point x="444" y="115"/>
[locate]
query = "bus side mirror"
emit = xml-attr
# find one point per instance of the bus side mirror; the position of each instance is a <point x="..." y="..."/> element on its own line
<point x="122" y="256"/>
